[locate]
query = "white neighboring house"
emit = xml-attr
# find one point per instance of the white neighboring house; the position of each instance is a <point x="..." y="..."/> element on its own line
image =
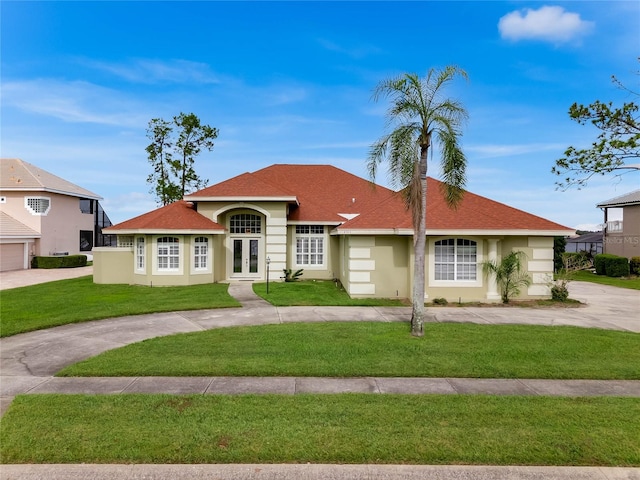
<point x="42" y="214"/>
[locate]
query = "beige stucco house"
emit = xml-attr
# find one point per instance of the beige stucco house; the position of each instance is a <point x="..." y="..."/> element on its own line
<point x="43" y="214"/>
<point x="622" y="237"/>
<point x="332" y="224"/>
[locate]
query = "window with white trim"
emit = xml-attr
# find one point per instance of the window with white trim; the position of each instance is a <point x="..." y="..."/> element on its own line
<point x="140" y="254"/>
<point x="309" y="245"/>
<point x="168" y="253"/>
<point x="200" y="253"/>
<point x="245" y="223"/>
<point x="37" y="205"/>
<point x="125" y="241"/>
<point x="456" y="259"/>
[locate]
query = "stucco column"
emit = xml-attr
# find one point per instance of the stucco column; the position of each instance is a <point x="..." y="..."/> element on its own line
<point x="492" y="284"/>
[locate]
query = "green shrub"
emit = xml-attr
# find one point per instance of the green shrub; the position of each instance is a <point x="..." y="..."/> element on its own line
<point x="62" y="261"/>
<point x="440" y="301"/>
<point x="617" y="267"/>
<point x="634" y="266"/>
<point x="611" y="265"/>
<point x="560" y="292"/>
<point x="599" y="262"/>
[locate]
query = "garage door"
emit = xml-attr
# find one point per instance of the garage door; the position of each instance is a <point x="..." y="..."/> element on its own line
<point x="11" y="256"/>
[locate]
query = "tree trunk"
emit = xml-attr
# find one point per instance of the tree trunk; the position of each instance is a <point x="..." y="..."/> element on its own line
<point x="419" y="246"/>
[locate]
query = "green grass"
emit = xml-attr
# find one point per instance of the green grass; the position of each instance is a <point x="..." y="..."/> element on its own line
<point x="349" y="429"/>
<point x="626" y="282"/>
<point x="344" y="349"/>
<point x="77" y="300"/>
<point x="317" y="293"/>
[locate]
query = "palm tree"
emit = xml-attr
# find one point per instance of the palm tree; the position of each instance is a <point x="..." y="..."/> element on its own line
<point x="509" y="274"/>
<point x="418" y="113"/>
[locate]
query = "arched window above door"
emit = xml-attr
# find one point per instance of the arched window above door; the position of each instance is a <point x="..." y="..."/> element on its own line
<point x="245" y="223"/>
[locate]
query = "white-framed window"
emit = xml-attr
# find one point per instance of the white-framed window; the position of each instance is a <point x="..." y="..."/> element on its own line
<point x="201" y="253"/>
<point x="125" y="241"/>
<point x="141" y="253"/>
<point x="168" y="253"/>
<point x="310" y="241"/>
<point x="245" y="223"/>
<point x="456" y="259"/>
<point x="37" y="205"/>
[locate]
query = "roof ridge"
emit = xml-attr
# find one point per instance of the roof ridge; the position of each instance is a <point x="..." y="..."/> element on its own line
<point x="38" y="179"/>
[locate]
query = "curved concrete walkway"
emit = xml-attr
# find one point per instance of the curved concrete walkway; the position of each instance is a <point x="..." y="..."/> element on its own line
<point x="29" y="361"/>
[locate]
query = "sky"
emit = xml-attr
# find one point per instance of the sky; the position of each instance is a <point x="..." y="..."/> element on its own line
<point x="291" y="82"/>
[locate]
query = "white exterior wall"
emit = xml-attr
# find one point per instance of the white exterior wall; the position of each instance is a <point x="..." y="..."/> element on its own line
<point x="540" y="265"/>
<point x="360" y="266"/>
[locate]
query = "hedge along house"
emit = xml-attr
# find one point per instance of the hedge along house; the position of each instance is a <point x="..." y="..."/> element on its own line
<point x="332" y="224"/>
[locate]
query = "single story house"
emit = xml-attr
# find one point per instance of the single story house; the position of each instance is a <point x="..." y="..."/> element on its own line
<point x="332" y="224"/>
<point x="622" y="237"/>
<point x="43" y="214"/>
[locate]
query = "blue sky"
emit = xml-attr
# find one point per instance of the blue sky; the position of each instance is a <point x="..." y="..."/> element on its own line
<point x="291" y="82"/>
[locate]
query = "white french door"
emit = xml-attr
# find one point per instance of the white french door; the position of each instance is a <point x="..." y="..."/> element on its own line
<point x="246" y="257"/>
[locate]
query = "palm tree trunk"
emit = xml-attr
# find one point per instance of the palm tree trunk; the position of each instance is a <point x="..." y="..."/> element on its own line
<point x="419" y="245"/>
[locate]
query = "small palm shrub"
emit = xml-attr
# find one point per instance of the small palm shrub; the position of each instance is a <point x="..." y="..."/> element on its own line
<point x="290" y="275"/>
<point x="509" y="273"/>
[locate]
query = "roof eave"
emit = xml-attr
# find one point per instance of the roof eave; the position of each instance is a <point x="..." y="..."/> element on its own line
<point x="442" y="232"/>
<point x="92" y="196"/>
<point x="161" y="231"/>
<point x="21" y="236"/>
<point x="241" y="198"/>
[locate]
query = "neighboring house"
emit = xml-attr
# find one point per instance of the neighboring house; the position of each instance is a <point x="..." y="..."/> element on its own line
<point x="332" y="224"/>
<point x="622" y="237"/>
<point x="42" y="214"/>
<point x="589" y="242"/>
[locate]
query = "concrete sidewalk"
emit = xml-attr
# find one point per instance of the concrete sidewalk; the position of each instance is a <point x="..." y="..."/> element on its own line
<point x="312" y="472"/>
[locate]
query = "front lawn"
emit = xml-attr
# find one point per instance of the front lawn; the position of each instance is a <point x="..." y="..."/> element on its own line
<point x="78" y="300"/>
<point x="317" y="293"/>
<point x="344" y="349"/>
<point x="350" y="428"/>
<point x="626" y="282"/>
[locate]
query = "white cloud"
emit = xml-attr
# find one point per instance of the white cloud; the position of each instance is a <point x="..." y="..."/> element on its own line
<point x="143" y="70"/>
<point x="283" y="95"/>
<point x="74" y="101"/>
<point x="359" y="51"/>
<point x="548" y="23"/>
<point x="494" y="151"/>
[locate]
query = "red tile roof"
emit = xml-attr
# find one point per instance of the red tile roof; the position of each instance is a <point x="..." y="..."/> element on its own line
<point x="245" y="185"/>
<point x="180" y="215"/>
<point x="321" y="193"/>
<point x="473" y="213"/>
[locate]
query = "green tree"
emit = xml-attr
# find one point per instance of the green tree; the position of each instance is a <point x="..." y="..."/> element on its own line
<point x="509" y="274"/>
<point x="193" y="137"/>
<point x="618" y="141"/>
<point x="173" y="159"/>
<point x="160" y="157"/>
<point x="418" y="115"/>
